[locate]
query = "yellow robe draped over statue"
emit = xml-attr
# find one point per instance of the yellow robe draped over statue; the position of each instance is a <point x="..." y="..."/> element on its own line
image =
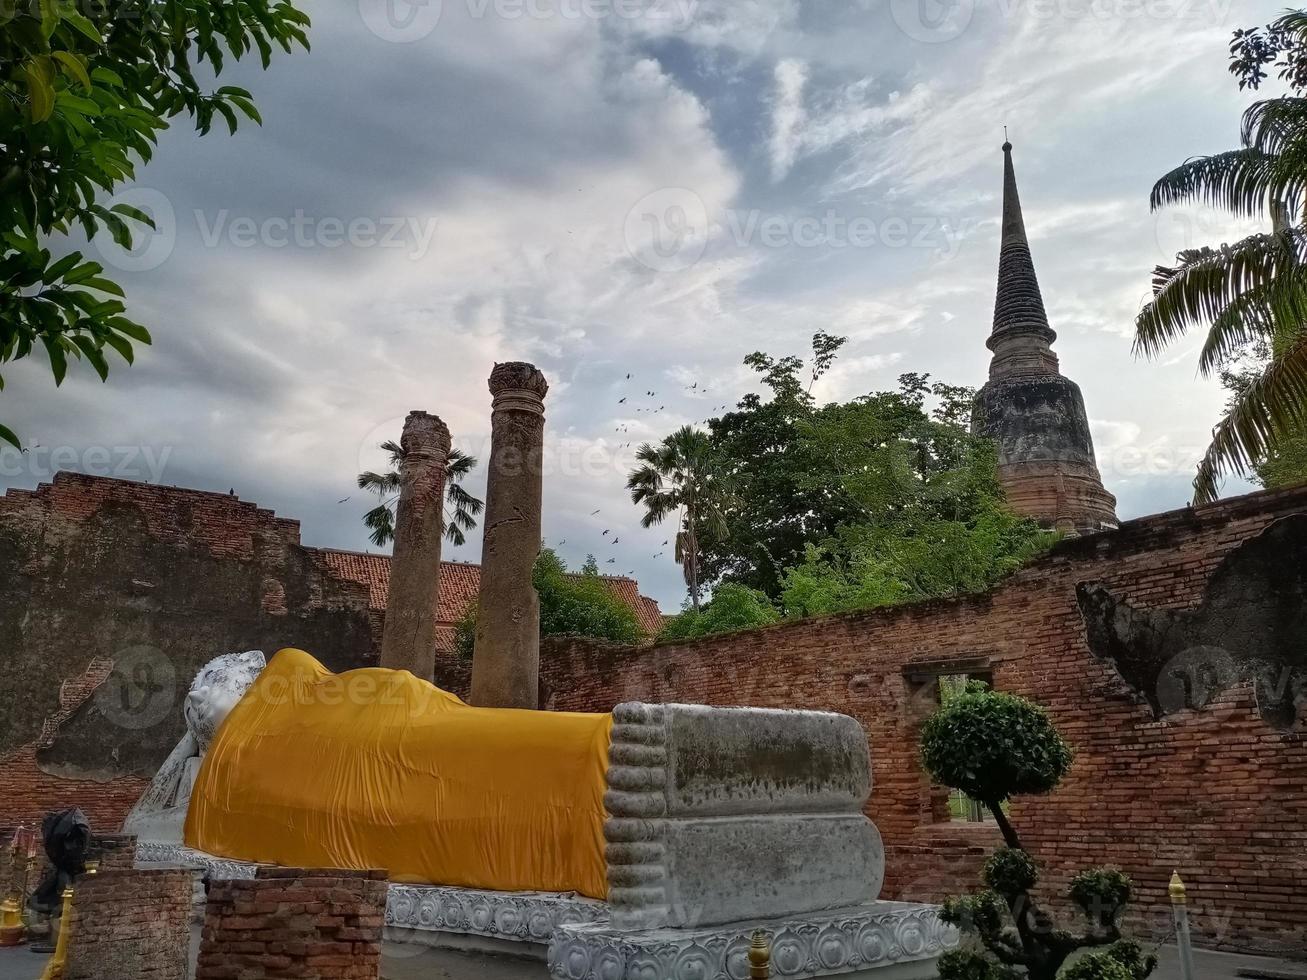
<point x="377" y="769"/>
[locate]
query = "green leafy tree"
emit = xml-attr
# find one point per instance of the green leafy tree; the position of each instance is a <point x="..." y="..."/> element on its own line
<point x="461" y="511"/>
<point x="775" y="511"/>
<point x="85" y="90"/>
<point x="681" y="476"/>
<point x="570" y="605"/>
<point x="994" y="746"/>
<point x="925" y="513"/>
<point x="733" y="607"/>
<point x="1252" y="292"/>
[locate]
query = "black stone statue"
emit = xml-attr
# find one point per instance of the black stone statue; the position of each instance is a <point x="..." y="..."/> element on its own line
<point x="66" y="835"/>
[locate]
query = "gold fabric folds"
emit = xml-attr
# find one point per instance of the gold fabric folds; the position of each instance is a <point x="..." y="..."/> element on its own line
<point x="377" y="769"/>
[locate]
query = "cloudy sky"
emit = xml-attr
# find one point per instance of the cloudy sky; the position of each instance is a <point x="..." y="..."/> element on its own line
<point x="653" y="188"/>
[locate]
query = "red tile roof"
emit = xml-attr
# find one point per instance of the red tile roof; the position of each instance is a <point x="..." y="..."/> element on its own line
<point x="461" y="584"/>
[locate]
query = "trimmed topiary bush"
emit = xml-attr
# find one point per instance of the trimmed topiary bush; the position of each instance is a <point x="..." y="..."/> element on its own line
<point x="994" y="746"/>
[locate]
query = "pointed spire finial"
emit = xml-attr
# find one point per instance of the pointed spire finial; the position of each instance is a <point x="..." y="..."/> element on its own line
<point x="1019" y="306"/>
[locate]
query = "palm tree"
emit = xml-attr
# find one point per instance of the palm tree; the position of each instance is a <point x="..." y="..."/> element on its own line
<point x="1251" y="292"/>
<point x="460" y="515"/>
<point x="680" y="475"/>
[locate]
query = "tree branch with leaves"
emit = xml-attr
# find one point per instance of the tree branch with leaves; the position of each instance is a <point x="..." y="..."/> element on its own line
<point x="85" y="90"/>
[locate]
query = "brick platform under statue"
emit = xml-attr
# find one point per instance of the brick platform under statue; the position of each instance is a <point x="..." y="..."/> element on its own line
<point x="130" y="925"/>
<point x="294" y="924"/>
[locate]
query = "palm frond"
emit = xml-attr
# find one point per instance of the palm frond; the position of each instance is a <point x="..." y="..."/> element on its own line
<point x="461" y="500"/>
<point x="396" y="452"/>
<point x="382" y="522"/>
<point x="1277" y="309"/>
<point x="1239" y="181"/>
<point x="459" y="464"/>
<point x="1267" y="410"/>
<point x="1207" y="281"/>
<point x="379" y="483"/>
<point x="1273" y="125"/>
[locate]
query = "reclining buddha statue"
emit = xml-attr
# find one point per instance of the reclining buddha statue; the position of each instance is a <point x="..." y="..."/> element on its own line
<point x="675" y="823"/>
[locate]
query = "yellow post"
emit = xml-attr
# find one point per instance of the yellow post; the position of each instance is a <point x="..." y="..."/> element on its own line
<point x="58" y="963"/>
<point x="759" y="957"/>
<point x="12" y="931"/>
<point x="1180" y="913"/>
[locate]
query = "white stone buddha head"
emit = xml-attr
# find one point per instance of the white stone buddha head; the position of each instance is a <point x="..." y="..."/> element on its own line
<point x="215" y="691"/>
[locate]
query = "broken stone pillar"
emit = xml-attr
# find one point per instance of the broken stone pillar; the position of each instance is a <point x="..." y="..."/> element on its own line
<point x="506" y="661"/>
<point x="408" y="639"/>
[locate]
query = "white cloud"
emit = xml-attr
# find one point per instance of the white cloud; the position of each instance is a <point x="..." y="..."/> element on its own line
<point x="787" y="115"/>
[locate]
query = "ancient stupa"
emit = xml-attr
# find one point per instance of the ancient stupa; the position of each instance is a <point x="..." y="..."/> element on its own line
<point x="1046" y="458"/>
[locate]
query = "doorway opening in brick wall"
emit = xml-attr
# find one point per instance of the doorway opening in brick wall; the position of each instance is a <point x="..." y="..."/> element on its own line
<point x="934" y="685"/>
<point x="961" y="807"/>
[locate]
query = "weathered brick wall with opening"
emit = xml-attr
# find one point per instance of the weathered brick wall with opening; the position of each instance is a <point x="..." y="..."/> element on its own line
<point x="1217" y="792"/>
<point x="296" y="924"/>
<point x="130" y="925"/>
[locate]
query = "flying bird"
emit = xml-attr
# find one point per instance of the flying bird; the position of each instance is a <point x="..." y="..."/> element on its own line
<point x="595" y="512"/>
<point x="606" y="533"/>
<point x="622" y="402"/>
<point x="345" y="501"/>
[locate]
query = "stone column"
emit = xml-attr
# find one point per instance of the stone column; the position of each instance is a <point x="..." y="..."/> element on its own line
<point x="506" y="662"/>
<point x="408" y="639"/>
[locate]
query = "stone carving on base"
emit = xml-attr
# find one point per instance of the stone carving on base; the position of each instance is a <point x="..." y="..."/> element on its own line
<point x="523" y="917"/>
<point x="821" y="944"/>
<point x="160" y="814"/>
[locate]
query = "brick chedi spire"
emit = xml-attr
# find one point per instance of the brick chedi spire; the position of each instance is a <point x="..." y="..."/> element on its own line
<point x="1037" y="417"/>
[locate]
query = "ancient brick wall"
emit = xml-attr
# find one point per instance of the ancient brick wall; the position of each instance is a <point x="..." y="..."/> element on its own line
<point x="112" y="596"/>
<point x="130" y="925"/>
<point x="296" y="924"/>
<point x="112" y="852"/>
<point x="1215" y="791"/>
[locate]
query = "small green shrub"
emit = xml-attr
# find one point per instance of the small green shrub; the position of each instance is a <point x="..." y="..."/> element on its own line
<point x="1097" y="966"/>
<point x="994" y="746"/>
<point x="1102" y="893"/>
<point x="733" y="608"/>
<point x="1123" y="960"/>
<point x="1010" y="871"/>
<point x="964" y="964"/>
